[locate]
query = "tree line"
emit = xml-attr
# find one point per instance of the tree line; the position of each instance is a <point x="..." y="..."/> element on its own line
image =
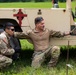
<point x="30" y="0"/>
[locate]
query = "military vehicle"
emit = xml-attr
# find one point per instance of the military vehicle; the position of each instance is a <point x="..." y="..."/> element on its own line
<point x="58" y="19"/>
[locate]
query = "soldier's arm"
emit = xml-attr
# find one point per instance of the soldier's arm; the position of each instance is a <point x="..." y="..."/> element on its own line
<point x="5" y="50"/>
<point x="56" y="33"/>
<point x="21" y="35"/>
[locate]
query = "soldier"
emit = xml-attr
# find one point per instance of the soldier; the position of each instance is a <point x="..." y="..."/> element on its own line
<point x="40" y="38"/>
<point x="55" y="3"/>
<point x="6" y="51"/>
<point x="8" y="34"/>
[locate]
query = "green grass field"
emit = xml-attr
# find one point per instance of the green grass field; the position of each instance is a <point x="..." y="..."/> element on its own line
<point x="33" y="5"/>
<point x="23" y="65"/>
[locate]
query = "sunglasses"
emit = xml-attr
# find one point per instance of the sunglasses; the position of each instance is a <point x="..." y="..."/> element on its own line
<point x="12" y="29"/>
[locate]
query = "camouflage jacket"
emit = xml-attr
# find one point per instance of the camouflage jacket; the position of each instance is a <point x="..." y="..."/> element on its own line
<point x="5" y="47"/>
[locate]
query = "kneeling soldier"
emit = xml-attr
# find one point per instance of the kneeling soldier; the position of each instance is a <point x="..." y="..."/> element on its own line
<point x="5" y="54"/>
<point x="6" y="50"/>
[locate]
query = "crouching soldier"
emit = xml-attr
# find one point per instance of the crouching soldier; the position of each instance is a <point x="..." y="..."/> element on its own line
<point x="5" y="54"/>
<point x="6" y="50"/>
<point x="8" y="36"/>
<point x="40" y="38"/>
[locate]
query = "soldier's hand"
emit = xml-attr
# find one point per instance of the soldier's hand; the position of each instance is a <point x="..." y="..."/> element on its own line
<point x="66" y="33"/>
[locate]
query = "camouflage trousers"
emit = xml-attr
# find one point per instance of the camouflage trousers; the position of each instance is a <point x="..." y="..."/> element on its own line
<point x="39" y="56"/>
<point x="4" y="61"/>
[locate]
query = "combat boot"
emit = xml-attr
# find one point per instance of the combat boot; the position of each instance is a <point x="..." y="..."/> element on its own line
<point x="52" y="62"/>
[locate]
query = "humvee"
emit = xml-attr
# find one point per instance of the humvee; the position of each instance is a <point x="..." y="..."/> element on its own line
<point x="58" y="19"/>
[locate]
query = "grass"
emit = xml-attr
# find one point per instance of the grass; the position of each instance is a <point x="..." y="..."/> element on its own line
<point x="33" y="5"/>
<point x="26" y="5"/>
<point x="26" y="45"/>
<point x="23" y="65"/>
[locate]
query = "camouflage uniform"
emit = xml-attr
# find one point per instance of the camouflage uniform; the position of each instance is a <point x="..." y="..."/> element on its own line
<point x="5" y="50"/>
<point x="42" y="46"/>
<point x="40" y="56"/>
